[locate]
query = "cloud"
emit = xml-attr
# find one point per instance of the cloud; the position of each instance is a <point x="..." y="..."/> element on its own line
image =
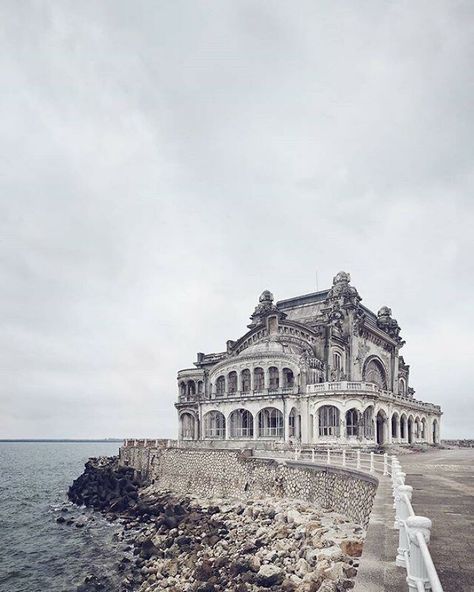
<point x="161" y="165"/>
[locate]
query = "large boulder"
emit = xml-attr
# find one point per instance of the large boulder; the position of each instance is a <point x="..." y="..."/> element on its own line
<point x="269" y="575"/>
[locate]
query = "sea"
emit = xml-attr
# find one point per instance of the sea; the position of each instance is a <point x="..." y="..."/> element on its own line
<point x="36" y="553"/>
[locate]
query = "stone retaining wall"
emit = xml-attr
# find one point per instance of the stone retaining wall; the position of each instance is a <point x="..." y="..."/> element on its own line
<point x="227" y="473"/>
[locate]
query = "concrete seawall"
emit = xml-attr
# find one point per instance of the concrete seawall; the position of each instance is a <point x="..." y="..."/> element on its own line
<point x="234" y="473"/>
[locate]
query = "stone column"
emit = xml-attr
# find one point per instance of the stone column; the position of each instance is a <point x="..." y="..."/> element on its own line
<point x="342" y="428"/>
<point x="286" y="419"/>
<point x="239" y="381"/>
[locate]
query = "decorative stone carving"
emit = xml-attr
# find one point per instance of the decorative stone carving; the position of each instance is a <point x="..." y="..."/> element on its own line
<point x="265" y="307"/>
<point x="387" y="324"/>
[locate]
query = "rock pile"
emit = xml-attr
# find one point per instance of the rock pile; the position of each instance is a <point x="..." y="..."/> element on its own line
<point x="193" y="545"/>
<point x="105" y="486"/>
<point x="186" y="544"/>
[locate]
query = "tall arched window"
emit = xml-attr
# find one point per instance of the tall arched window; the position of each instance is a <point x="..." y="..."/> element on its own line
<point x="375" y="372"/>
<point x="329" y="421"/>
<point x="246" y="381"/>
<point x="200" y="387"/>
<point x="220" y="386"/>
<point x="214" y="425"/>
<point x="232" y="384"/>
<point x="241" y="424"/>
<point x="182" y="388"/>
<point x="288" y="378"/>
<point x="292" y="423"/>
<point x="191" y="388"/>
<point x="258" y="379"/>
<point x="352" y="422"/>
<point x="368" y="423"/>
<point x="270" y="423"/>
<point x="274" y="377"/>
<point x="402" y="387"/>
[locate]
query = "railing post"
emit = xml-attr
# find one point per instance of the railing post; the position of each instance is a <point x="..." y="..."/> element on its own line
<point x="393" y="461"/>
<point x="358" y="459"/>
<point x="344" y="457"/>
<point x="329" y="457"/>
<point x="417" y="527"/>
<point x="385" y="464"/>
<point x="400" y="491"/>
<point x="312" y="455"/>
<point x="403" y="512"/>
<point x="372" y="467"/>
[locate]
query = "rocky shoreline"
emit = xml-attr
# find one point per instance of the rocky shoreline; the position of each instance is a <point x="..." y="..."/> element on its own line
<point x="186" y="544"/>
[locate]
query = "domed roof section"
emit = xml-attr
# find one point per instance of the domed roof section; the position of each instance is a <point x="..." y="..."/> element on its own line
<point x="273" y="346"/>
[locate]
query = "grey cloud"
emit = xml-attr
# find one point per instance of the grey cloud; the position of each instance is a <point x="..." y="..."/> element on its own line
<point x="162" y="164"/>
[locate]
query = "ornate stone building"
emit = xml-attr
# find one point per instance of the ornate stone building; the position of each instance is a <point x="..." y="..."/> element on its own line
<point x="315" y="369"/>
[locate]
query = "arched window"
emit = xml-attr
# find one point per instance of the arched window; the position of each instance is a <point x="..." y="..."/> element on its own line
<point x="274" y="376"/>
<point x="337" y="362"/>
<point x="292" y="421"/>
<point x="423" y="428"/>
<point x="270" y="423"/>
<point x="187" y="426"/>
<point x="182" y="388"/>
<point x="258" y="379"/>
<point x="288" y="378"/>
<point x="241" y="424"/>
<point x="375" y="372"/>
<point x="214" y="425"/>
<point x="246" y="380"/>
<point x="402" y="387"/>
<point x="220" y="386"/>
<point x="200" y="387"/>
<point x="329" y="421"/>
<point x="232" y="382"/>
<point x="352" y="422"/>
<point x="191" y="388"/>
<point x="367" y="427"/>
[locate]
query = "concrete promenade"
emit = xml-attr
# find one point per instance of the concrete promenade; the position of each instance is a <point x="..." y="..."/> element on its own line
<point x="443" y="490"/>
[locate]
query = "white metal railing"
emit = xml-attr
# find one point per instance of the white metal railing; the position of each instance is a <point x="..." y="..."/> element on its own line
<point x="414" y="531"/>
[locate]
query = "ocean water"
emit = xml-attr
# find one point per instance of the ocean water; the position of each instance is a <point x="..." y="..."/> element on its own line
<point x="36" y="553"/>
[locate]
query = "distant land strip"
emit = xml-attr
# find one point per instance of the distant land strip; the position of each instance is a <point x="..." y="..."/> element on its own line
<point x="61" y="439"/>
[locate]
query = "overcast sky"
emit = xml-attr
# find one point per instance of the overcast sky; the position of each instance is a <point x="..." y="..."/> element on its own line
<point x="162" y="163"/>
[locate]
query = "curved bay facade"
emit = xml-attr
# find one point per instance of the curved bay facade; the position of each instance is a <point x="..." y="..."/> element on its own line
<point x="315" y="369"/>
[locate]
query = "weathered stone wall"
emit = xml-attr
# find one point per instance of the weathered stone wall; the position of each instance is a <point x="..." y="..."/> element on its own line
<point x="226" y="473"/>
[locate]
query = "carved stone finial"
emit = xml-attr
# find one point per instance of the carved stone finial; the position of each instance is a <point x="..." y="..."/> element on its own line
<point x="264" y="307"/>
<point x="266" y="296"/>
<point x="341" y="278"/>
<point x="387" y="324"/>
<point x="385" y="311"/>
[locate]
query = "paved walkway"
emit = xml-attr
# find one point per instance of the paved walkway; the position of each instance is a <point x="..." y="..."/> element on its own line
<point x="443" y="490"/>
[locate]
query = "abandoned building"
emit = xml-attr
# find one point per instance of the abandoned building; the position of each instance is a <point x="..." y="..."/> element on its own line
<point x="314" y="369"/>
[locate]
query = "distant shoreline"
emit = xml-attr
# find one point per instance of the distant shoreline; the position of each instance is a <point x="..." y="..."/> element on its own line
<point x="57" y="440"/>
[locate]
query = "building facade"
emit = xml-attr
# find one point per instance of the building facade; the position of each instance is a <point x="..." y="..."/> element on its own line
<point x="315" y="369"/>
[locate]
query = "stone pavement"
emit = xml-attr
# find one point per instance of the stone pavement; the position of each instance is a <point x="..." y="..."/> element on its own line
<point x="443" y="490"/>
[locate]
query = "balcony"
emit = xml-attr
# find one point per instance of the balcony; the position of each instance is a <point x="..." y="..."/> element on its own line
<point x="345" y="387"/>
<point x="342" y="386"/>
<point x="260" y="392"/>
